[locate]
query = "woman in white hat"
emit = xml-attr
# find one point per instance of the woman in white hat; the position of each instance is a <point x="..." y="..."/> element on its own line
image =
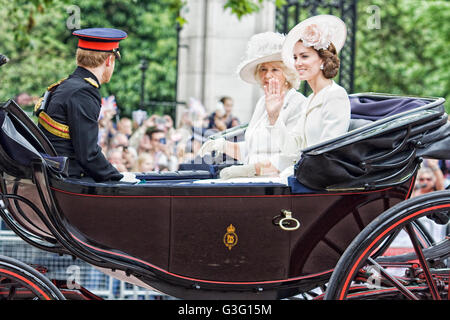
<point x="311" y="48"/>
<point x="280" y="107"/>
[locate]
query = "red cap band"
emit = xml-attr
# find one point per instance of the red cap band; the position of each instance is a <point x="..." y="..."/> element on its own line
<point x="99" y="46"/>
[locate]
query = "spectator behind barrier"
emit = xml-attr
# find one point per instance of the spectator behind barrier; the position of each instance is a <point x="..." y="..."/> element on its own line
<point x="429" y="178"/>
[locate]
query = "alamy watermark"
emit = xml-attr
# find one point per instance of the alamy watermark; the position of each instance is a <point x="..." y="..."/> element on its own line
<point x="73" y="277"/>
<point x="74" y="19"/>
<point x="374" y="20"/>
<point x="374" y="280"/>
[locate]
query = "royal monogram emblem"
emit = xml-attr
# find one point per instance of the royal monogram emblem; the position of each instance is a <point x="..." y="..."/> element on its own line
<point x="230" y="238"/>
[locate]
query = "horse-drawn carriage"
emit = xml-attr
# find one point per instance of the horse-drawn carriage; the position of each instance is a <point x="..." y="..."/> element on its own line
<point x="330" y="231"/>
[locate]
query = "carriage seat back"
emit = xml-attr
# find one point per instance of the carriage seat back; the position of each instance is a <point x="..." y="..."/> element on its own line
<point x="21" y="142"/>
<point x="373" y="109"/>
<point x="386" y="150"/>
<point x="365" y="110"/>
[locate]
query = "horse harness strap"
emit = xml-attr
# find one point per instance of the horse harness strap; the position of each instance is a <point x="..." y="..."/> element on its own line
<point x="54" y="127"/>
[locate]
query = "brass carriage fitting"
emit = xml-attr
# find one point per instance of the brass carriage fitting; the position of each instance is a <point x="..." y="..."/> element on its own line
<point x="288" y="219"/>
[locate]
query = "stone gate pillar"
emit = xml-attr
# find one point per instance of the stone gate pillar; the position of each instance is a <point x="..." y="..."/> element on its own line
<point x="212" y="44"/>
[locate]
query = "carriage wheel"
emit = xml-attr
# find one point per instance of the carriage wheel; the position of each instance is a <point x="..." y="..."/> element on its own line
<point x="19" y="281"/>
<point x="371" y="268"/>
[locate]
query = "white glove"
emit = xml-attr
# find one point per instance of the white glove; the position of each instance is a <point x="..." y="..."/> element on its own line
<point x="129" y="177"/>
<point x="209" y="146"/>
<point x="247" y="171"/>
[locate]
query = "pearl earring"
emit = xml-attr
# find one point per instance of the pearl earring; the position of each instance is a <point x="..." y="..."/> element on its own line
<point x="321" y="67"/>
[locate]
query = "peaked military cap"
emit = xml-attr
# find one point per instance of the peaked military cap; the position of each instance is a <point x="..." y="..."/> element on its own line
<point x="100" y="39"/>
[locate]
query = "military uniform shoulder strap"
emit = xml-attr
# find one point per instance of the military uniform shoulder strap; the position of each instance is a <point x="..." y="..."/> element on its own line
<point x="52" y="126"/>
<point x="92" y="82"/>
<point x="41" y="104"/>
<point x="55" y="85"/>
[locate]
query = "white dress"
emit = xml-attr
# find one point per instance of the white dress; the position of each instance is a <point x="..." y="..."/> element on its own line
<point x="326" y="116"/>
<point x="262" y="140"/>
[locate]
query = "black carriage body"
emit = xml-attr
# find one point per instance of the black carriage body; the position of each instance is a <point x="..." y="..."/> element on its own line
<point x="214" y="237"/>
<point x="182" y="229"/>
<point x="195" y="240"/>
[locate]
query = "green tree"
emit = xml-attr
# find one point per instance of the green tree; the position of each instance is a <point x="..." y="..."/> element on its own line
<point x="408" y="52"/>
<point x="33" y="39"/>
<point x="242" y="8"/>
<point x="406" y="55"/>
<point x="37" y="37"/>
<point x="152" y="30"/>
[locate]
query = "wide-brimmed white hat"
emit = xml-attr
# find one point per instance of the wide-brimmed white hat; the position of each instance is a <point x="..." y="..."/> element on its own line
<point x="262" y="47"/>
<point x="317" y="32"/>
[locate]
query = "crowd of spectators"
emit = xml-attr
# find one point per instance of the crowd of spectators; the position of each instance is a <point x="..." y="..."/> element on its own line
<point x="433" y="175"/>
<point x="144" y="143"/>
<point x="154" y="143"/>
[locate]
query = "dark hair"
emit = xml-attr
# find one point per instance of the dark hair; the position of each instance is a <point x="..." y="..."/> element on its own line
<point x="330" y="60"/>
<point x="152" y="130"/>
<point x="225" y="98"/>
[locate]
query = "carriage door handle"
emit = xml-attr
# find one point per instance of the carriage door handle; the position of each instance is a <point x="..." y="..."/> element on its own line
<point x="286" y="221"/>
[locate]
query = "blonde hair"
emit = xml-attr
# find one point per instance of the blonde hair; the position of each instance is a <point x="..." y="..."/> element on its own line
<point x="426" y="171"/>
<point x="291" y="76"/>
<point x="91" y="59"/>
<point x="144" y="156"/>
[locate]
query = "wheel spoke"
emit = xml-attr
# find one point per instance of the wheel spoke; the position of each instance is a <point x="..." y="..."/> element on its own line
<point x="385" y="245"/>
<point x="393" y="280"/>
<point x="423" y="262"/>
<point x="418" y="271"/>
<point x="358" y="220"/>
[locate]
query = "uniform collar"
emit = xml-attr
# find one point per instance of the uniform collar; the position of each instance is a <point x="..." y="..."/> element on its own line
<point x="85" y="73"/>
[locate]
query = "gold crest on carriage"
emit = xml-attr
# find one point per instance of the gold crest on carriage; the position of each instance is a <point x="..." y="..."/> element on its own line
<point x="230" y="238"/>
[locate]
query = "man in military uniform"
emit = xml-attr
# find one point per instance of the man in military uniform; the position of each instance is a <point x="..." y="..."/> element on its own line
<point x="68" y="112"/>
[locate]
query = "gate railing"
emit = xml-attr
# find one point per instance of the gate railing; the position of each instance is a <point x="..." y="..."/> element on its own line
<point x="295" y="11"/>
